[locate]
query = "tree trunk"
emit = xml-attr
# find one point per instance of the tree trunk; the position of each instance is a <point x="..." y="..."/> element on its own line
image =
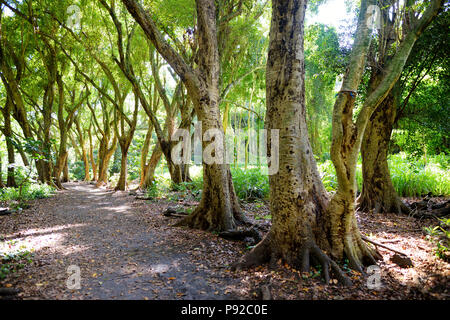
<point x="7" y="131"/>
<point x="1" y="173"/>
<point x="122" y="183"/>
<point x="378" y="193"/>
<point x="91" y="157"/>
<point x="104" y="157"/>
<point x="151" y="167"/>
<point x="297" y="196"/>
<point x="65" y="177"/>
<point x="219" y="208"/>
<point x="144" y="153"/>
<point x="59" y="168"/>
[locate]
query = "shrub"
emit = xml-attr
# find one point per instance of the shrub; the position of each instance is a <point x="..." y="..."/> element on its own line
<point x="250" y="184"/>
<point x="76" y="170"/>
<point x="29" y="192"/>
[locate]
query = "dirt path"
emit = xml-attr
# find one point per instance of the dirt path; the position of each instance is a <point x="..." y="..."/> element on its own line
<point x="126" y="249"/>
<point x="123" y="247"/>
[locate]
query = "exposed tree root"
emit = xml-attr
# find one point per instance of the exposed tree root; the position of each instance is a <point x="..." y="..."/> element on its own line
<point x="213" y="219"/>
<point x="358" y="253"/>
<point x="265" y="252"/>
<point x="392" y="205"/>
<point x="171" y="212"/>
<point x="427" y="208"/>
<point x="241" y="234"/>
<point x="9" y="291"/>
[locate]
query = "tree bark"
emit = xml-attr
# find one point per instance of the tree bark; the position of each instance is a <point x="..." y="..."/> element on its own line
<point x="7" y="131"/>
<point x="219" y="208"/>
<point x="298" y="199"/>
<point x="91" y="156"/>
<point x="122" y="183"/>
<point x="144" y="153"/>
<point x="104" y="156"/>
<point x="65" y="177"/>
<point x="378" y="193"/>
<point x="151" y="167"/>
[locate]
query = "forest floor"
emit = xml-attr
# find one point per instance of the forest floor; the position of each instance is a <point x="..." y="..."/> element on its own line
<point x="126" y="249"/>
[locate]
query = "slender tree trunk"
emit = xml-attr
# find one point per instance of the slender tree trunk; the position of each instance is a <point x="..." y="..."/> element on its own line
<point x="151" y="167"/>
<point x="340" y="219"/>
<point x="65" y="177"/>
<point x="7" y="131"/>
<point x="86" y="164"/>
<point x="144" y="153"/>
<point x="122" y="183"/>
<point x="2" y="185"/>
<point x="91" y="157"/>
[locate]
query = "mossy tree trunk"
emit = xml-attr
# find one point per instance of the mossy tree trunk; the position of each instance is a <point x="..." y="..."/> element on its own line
<point x="219" y="208"/>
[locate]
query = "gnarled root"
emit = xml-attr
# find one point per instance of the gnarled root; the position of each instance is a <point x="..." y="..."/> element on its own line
<point x="212" y="219"/>
<point x="265" y="252"/>
<point x="392" y="204"/>
<point x="358" y="253"/>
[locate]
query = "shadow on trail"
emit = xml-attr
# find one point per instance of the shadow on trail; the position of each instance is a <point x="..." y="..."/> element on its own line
<point x="120" y="255"/>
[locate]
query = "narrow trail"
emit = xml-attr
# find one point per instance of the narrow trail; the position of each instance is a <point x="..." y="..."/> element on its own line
<point x="124" y="248"/>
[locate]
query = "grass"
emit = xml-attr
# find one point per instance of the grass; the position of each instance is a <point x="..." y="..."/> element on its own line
<point x="29" y="192"/>
<point x="410" y="177"/>
<point x="13" y="257"/>
<point x="440" y="237"/>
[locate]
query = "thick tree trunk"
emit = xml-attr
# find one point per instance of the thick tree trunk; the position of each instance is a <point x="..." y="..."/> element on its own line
<point x="218" y="208"/>
<point x="378" y="194"/>
<point x="298" y="199"/>
<point x="65" y="177"/>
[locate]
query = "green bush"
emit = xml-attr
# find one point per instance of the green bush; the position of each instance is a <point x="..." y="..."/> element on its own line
<point x="29" y="192"/>
<point x="440" y="236"/>
<point x="410" y="176"/>
<point x="250" y="184"/>
<point x="76" y="170"/>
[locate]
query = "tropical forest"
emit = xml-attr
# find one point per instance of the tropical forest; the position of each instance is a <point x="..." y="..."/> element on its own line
<point x="223" y="150"/>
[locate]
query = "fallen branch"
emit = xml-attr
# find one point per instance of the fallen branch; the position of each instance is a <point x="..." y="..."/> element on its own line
<point x="382" y="245"/>
<point x="144" y="198"/>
